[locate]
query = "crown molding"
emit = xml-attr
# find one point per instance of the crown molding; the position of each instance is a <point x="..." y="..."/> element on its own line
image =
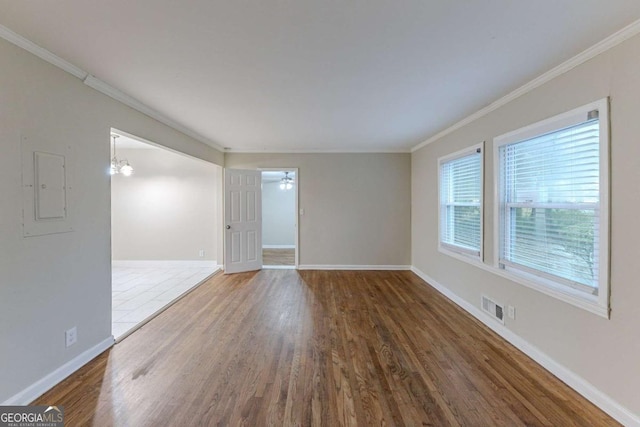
<point x="317" y="151"/>
<point x="122" y="97"/>
<point x="99" y="85"/>
<point x="590" y="53"/>
<point x="40" y="52"/>
<point x="103" y="87"/>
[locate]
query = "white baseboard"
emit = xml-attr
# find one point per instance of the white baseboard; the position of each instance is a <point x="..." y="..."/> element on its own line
<point x="354" y="267"/>
<point x="165" y="263"/>
<point x="576" y="382"/>
<point x="43" y="385"/>
<point x="278" y="267"/>
<point x="278" y="246"/>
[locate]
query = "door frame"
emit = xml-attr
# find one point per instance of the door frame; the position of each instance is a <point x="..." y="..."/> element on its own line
<point x="297" y="211"/>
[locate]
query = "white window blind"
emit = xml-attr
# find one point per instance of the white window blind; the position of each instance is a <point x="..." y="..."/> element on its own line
<point x="460" y="202"/>
<point x="550" y="205"/>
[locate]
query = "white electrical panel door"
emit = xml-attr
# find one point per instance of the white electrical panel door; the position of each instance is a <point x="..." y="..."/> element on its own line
<point x="46" y="189"/>
<point x="50" y="187"/>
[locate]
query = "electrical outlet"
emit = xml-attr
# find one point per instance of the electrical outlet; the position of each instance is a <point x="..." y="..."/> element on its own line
<point x="71" y="336"/>
<point x="201" y="253"/>
<point x="301" y="211"/>
<point x="511" y="312"/>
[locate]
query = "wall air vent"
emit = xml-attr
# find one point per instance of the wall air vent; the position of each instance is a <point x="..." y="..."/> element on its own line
<point x="492" y="308"/>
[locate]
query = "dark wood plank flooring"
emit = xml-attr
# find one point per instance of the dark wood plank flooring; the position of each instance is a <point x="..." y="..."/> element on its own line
<point x="284" y="348"/>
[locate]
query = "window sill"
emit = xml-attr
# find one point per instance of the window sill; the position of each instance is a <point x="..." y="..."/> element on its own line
<point x="461" y="255"/>
<point x="566" y="294"/>
<point x="563" y="293"/>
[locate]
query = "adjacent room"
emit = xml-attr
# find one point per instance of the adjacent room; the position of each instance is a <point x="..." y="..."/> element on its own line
<point x="279" y="219"/>
<point x="164" y="228"/>
<point x="320" y="213"/>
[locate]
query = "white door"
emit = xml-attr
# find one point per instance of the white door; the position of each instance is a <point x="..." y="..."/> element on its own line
<point x="243" y="220"/>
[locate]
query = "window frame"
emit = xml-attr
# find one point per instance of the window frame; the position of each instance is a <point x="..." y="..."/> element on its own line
<point x="538" y="280"/>
<point x="455" y="251"/>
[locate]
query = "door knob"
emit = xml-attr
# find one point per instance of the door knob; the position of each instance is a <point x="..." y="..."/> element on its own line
<point x="228" y="227"/>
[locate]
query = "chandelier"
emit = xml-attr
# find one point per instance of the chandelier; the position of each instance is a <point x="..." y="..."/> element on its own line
<point x="119" y="166"/>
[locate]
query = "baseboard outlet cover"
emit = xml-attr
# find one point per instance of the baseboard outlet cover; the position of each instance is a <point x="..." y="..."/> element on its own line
<point x="354" y="267"/>
<point x="576" y="382"/>
<point x="165" y="263"/>
<point x="43" y="385"/>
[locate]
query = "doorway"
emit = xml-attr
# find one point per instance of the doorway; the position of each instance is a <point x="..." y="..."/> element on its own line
<point x="164" y="228"/>
<point x="279" y="218"/>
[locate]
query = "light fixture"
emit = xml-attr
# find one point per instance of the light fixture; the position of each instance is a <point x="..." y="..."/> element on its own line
<point x="119" y="166"/>
<point x="286" y="183"/>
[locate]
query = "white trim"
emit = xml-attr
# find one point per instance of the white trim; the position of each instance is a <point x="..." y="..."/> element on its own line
<point x="278" y="246"/>
<point x="353" y="267"/>
<point x="164" y="264"/>
<point x="40" y="52"/>
<point x="604" y="45"/>
<point x="99" y="85"/>
<point x="576" y="382"/>
<point x="472" y="149"/>
<point x="461" y="256"/>
<point x="118" y="95"/>
<point x="46" y="383"/>
<point x="565" y="293"/>
<point x="317" y="151"/>
<point x="599" y="305"/>
<point x="160" y="146"/>
<point x="595" y="50"/>
<point x="562" y="293"/>
<point x="278" y="267"/>
<point x="553" y="123"/>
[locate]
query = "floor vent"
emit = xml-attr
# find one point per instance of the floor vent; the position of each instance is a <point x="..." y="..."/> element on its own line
<point x="493" y="309"/>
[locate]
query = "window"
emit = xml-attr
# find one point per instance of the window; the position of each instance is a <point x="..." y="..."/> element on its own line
<point x="461" y="202"/>
<point x="552" y="203"/>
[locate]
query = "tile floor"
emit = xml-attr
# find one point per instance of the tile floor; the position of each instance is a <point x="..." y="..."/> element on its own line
<point x="138" y="292"/>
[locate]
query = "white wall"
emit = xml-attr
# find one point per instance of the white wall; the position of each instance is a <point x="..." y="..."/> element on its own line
<point x="278" y="215"/>
<point x="606" y="353"/>
<point x="357" y="206"/>
<point x="51" y="283"/>
<point x="167" y="210"/>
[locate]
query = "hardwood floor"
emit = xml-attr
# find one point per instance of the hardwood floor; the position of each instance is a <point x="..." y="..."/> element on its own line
<point x="278" y="256"/>
<point x="282" y="347"/>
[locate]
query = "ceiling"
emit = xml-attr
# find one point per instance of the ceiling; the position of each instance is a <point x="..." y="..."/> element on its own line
<point x="316" y="75"/>
<point x="275" y="176"/>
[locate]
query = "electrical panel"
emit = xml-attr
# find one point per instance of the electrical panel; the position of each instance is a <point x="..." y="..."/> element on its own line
<point x="46" y="188"/>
